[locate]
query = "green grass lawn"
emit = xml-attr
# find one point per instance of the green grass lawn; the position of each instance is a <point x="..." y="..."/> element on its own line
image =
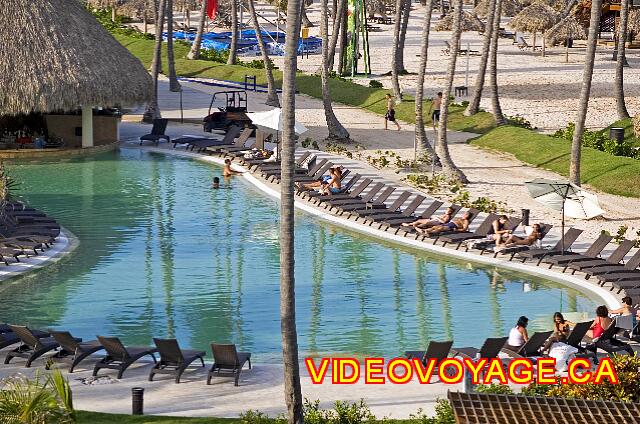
<point x="345" y="92"/>
<point x="85" y="417"/>
<point x="610" y="174"/>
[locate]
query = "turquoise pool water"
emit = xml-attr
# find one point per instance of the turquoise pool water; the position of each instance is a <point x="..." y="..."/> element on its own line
<point x="162" y="254"/>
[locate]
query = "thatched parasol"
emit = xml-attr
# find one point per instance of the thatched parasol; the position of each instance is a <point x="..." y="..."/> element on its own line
<point x="537" y="17"/>
<point x="568" y="28"/>
<point x="61" y="58"/>
<point x="509" y="7"/>
<point x="469" y="22"/>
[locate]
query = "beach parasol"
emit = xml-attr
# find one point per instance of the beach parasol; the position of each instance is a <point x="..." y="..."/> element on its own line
<point x="509" y="8"/>
<point x="568" y="28"/>
<point x="564" y="196"/>
<point x="537" y="17"/>
<point x="271" y="120"/>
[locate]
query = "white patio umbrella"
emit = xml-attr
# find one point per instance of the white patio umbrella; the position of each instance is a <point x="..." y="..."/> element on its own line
<point x="564" y="196"/>
<point x="272" y="119"/>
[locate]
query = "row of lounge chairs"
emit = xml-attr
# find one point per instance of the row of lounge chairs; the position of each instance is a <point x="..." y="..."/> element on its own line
<point x="366" y="202"/>
<point x="62" y="346"/>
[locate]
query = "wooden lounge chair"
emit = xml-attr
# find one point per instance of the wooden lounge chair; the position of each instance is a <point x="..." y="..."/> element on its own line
<point x="615" y="258"/>
<point x="435" y="237"/>
<point x="351" y="203"/>
<point x="157" y="132"/>
<point x="120" y="357"/>
<point x="512" y="225"/>
<point x="310" y="177"/>
<point x="396" y="223"/>
<point x="481" y="232"/>
<point x="227" y="359"/>
<point x="316" y="196"/>
<point x="577" y="334"/>
<point x="369" y="214"/>
<point x="490" y="348"/>
<point x="239" y="145"/>
<point x="406" y="212"/>
<point x="353" y="194"/>
<point x="544" y="230"/>
<point x="74" y="349"/>
<point x="569" y="238"/>
<point x="566" y="258"/>
<point x="608" y="342"/>
<point x="31" y="346"/>
<point x="174" y="360"/>
<point x="531" y="347"/>
<point x="260" y="164"/>
<point x="610" y="270"/>
<point x="213" y="145"/>
<point x="435" y="350"/>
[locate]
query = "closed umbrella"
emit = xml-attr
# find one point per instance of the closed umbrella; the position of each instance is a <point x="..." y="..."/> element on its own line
<point x="564" y="196"/>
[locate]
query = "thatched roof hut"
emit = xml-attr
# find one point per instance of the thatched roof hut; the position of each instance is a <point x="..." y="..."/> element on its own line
<point x="55" y="56"/>
<point x="469" y="22"/>
<point x="509" y="8"/>
<point x="538" y="17"/>
<point x="568" y="28"/>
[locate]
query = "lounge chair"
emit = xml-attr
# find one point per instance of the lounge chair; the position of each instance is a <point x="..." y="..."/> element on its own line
<point x="490" y="348"/>
<point x="174" y="360"/>
<point x="120" y="357"/>
<point x="577" y="334"/>
<point x="312" y="169"/>
<point x="370" y="213"/>
<point x="396" y="223"/>
<point x="481" y="232"/>
<point x="238" y="144"/>
<point x="544" y="230"/>
<point x="565" y="258"/>
<point x="406" y="212"/>
<point x="522" y="44"/>
<point x="608" y="342"/>
<point x="31" y="347"/>
<point x="610" y="270"/>
<point x="310" y="177"/>
<point x="531" y="347"/>
<point x="473" y="215"/>
<point x="351" y="203"/>
<point x="435" y="350"/>
<point x="227" y="359"/>
<point x="614" y="259"/>
<point x="316" y="196"/>
<point x="157" y="132"/>
<point x="256" y="164"/>
<point x="353" y="194"/>
<point x="569" y="238"/>
<point x="214" y="144"/>
<point x="73" y="348"/>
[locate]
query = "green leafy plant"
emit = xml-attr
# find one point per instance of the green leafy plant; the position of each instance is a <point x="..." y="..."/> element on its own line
<point x="255" y="417"/>
<point x="500" y="389"/>
<point x="519" y="121"/>
<point x="375" y="84"/>
<point x="8" y="185"/>
<point x="444" y="414"/>
<point x="118" y="26"/>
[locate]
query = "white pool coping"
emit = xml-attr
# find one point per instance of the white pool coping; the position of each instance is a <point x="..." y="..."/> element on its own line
<point x="609" y="299"/>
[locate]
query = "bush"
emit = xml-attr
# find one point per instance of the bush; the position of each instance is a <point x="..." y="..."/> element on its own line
<point x="499" y="389"/>
<point x="519" y="121"/>
<point x="444" y="415"/>
<point x="375" y="84"/>
<point x="599" y="141"/>
<point x="104" y="17"/>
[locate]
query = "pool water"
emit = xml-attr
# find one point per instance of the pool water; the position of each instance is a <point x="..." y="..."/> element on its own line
<point x="161" y="254"/>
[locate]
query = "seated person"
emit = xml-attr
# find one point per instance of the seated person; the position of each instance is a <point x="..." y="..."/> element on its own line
<point x="529" y="240"/>
<point x="561" y="329"/>
<point x="518" y="335"/>
<point x="600" y="323"/>
<point x="498" y="231"/>
<point x="333" y="173"/>
<point x="334" y="185"/>
<point x="228" y="172"/>
<point x="628" y="309"/>
<point x="458" y="224"/>
<point x="431" y="222"/>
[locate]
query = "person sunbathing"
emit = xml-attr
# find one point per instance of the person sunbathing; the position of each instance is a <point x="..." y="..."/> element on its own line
<point x="228" y="171"/>
<point x="529" y="240"/>
<point x="455" y="225"/>
<point x="431" y="222"/>
<point x="334" y="185"/>
<point x="320" y="182"/>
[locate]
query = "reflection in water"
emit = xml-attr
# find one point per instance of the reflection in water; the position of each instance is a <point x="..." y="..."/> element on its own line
<point x="162" y="254"/>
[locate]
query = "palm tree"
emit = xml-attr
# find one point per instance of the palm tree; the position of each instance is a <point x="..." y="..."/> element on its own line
<point x="396" y="47"/>
<point x="153" y="110"/>
<point x="292" y="390"/>
<point x="474" y="104"/>
<point x="493" y="67"/>
<point x="336" y="131"/>
<point x="576" y="144"/>
<point x="338" y="16"/>
<point x="233" y="46"/>
<point x="422" y="143"/>
<point x="442" y="149"/>
<point x="194" y="53"/>
<point x="272" y="95"/>
<point x="623" y="113"/>
<point x="174" y="85"/>
<point x="403" y="35"/>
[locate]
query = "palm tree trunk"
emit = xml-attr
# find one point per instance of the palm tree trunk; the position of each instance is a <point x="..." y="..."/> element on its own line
<point x="533" y="49"/>
<point x="442" y="148"/>
<point x="422" y="143"/>
<point x="493" y="67"/>
<point x="337" y="24"/>
<point x="174" y="85"/>
<point x="336" y="131"/>
<point x="305" y="19"/>
<point x="403" y="35"/>
<point x="544" y="45"/>
<point x="623" y="113"/>
<point x="194" y="53"/>
<point x="153" y="110"/>
<point x="292" y="390"/>
<point x="576" y="144"/>
<point x="343" y="43"/>
<point x="474" y="104"/>
<point x="272" y="94"/>
<point x="396" y="46"/>
<point x="233" y="46"/>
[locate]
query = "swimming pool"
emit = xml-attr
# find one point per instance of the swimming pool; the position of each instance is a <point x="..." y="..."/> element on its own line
<point x="162" y="254"/>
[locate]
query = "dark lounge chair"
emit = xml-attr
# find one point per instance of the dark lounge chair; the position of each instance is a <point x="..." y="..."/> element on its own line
<point x="577" y="334"/>
<point x="318" y="167"/>
<point x="260" y="164"/>
<point x="352" y="195"/>
<point x="480" y="232"/>
<point x="614" y="259"/>
<point x="490" y="348"/>
<point x="74" y="349"/>
<point x="435" y="350"/>
<point x="569" y="238"/>
<point x="406" y="212"/>
<point x="157" y="132"/>
<point x="396" y="223"/>
<point x="565" y="258"/>
<point x="531" y="347"/>
<point x="350" y="204"/>
<point x="608" y="342"/>
<point x="227" y="359"/>
<point x="611" y="270"/>
<point x="473" y="214"/>
<point x="370" y="213"/>
<point x="213" y="145"/>
<point x="31" y="347"/>
<point x="120" y="357"/>
<point x="174" y="360"/>
<point x="544" y="230"/>
<point x="316" y="196"/>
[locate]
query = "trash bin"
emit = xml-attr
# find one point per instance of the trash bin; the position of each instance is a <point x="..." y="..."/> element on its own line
<point x="525" y="217"/>
<point x="617" y="134"/>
